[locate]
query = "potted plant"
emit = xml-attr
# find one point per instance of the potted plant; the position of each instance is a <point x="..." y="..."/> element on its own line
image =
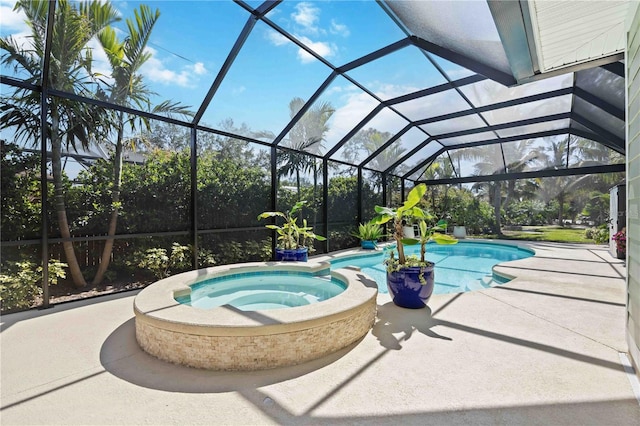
<point x="369" y="233"/>
<point x="459" y="231"/>
<point x="620" y="239"/>
<point x="410" y="279"/>
<point x="294" y="242"/>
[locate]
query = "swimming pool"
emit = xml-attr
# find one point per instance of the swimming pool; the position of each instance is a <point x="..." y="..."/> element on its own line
<point x="461" y="267"/>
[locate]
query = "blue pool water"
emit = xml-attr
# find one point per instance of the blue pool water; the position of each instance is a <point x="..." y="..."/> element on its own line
<point x="459" y="267"/>
<point x="254" y="291"/>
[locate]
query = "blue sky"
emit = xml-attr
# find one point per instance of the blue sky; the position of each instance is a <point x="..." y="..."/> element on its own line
<point x="192" y="39"/>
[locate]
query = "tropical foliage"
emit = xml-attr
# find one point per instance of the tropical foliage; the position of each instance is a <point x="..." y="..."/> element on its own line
<point x="411" y="210"/>
<point x="130" y="214"/>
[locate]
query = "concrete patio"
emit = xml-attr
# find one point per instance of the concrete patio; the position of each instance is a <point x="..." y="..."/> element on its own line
<point x="542" y="349"/>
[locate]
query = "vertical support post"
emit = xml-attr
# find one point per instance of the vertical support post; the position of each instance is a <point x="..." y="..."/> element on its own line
<point x="568" y="150"/>
<point x="402" y="189"/>
<point x="194" y="195"/>
<point x="44" y="108"/>
<point x="274" y="194"/>
<point x="384" y="190"/>
<point x="384" y="197"/>
<point x="44" y="201"/>
<point x="325" y="201"/>
<point x="360" y="204"/>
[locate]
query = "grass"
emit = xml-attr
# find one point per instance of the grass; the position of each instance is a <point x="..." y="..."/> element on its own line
<point x="556" y="234"/>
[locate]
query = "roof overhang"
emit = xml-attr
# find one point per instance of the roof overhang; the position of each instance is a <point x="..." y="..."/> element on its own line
<point x="542" y="38"/>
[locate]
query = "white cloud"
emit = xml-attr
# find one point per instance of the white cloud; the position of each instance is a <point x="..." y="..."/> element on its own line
<point x="155" y="70"/>
<point x="326" y="50"/>
<point x="276" y="38"/>
<point x="199" y="68"/>
<point x="100" y="62"/>
<point x="306" y="15"/>
<point x="238" y="90"/>
<point x="356" y="107"/>
<point x="13" y="23"/>
<point x="334" y="90"/>
<point x="10" y="20"/>
<point x="389" y="91"/>
<point x="339" y="29"/>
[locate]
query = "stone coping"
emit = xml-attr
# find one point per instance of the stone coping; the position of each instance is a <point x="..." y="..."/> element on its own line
<point x="157" y="306"/>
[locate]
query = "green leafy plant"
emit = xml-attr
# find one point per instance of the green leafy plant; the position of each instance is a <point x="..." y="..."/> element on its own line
<point x="369" y="231"/>
<point x="600" y="234"/>
<point x="290" y="234"/>
<point x="20" y="286"/>
<point x="411" y="210"/>
<point x="162" y="264"/>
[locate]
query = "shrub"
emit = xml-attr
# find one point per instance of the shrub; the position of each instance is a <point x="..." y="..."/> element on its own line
<point x="162" y="264"/>
<point x="600" y="234"/>
<point x="526" y="213"/>
<point x="242" y="251"/>
<point x="21" y="285"/>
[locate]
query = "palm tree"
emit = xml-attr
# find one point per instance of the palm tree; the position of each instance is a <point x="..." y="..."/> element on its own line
<point x="586" y="153"/>
<point x="306" y="135"/>
<point x="70" y="69"/>
<point x="369" y="141"/>
<point x="128" y="89"/>
<point x="485" y="164"/>
<point x="523" y="154"/>
<point x="439" y="169"/>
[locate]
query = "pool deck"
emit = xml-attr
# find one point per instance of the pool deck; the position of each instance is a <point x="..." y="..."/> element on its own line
<point x="542" y="349"/>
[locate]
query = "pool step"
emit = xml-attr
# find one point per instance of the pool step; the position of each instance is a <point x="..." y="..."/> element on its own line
<point x="476" y="285"/>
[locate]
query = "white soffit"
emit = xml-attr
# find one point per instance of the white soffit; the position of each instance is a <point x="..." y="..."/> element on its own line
<point x="568" y="32"/>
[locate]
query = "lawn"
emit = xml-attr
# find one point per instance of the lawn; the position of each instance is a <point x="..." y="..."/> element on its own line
<point x="546" y="233"/>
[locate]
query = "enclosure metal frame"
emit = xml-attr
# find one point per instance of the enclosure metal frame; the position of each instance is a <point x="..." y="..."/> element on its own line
<point x="598" y="134"/>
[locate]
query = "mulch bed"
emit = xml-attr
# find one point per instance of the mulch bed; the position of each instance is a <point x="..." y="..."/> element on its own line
<point x="66" y="291"/>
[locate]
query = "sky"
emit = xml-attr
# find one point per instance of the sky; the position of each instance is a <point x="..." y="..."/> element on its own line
<point x="192" y="40"/>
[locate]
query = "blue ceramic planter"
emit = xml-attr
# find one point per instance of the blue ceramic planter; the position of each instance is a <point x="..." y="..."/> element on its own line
<point x="405" y="287"/>
<point x="368" y="244"/>
<point x="292" y="255"/>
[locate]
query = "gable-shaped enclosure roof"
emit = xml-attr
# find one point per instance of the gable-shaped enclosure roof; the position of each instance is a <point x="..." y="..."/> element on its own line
<point x="499" y="88"/>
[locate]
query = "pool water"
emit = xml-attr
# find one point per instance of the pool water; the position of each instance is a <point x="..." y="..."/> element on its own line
<point x="262" y="290"/>
<point x="459" y="267"/>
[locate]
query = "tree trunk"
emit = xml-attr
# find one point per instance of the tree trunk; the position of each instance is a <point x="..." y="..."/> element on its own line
<point x="115" y="203"/>
<point x="511" y="190"/>
<point x="61" y="212"/>
<point x="446" y="200"/>
<point x="398" y="234"/>
<point x="560" y="209"/>
<point x="497" y="198"/>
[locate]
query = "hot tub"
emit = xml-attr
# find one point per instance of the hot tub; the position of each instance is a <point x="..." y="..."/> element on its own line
<point x="228" y="338"/>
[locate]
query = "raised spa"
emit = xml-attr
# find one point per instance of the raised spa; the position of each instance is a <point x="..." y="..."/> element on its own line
<point x="257" y="333"/>
<point x="263" y="290"/>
